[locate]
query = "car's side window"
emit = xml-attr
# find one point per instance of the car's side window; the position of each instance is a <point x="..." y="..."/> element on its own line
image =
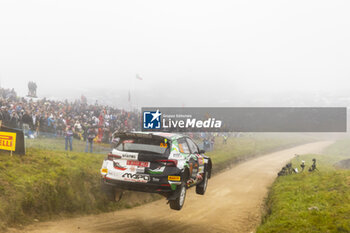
<point x="183" y="146"/>
<point x="193" y="146"/>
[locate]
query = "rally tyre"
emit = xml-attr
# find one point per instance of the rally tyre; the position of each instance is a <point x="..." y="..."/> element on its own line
<point x="180" y="199"/>
<point x="200" y="188"/>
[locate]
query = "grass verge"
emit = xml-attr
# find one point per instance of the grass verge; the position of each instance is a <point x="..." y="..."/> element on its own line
<point x="58" y="143"/>
<point x="312" y="202"/>
<point x="45" y="183"/>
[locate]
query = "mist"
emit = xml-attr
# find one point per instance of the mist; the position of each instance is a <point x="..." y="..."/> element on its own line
<point x="188" y="53"/>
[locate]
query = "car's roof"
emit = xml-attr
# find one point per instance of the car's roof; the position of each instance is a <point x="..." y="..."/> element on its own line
<point x="168" y="135"/>
<point x="171" y="136"/>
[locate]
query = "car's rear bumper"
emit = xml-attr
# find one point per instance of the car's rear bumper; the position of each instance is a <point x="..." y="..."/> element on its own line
<point x="163" y="186"/>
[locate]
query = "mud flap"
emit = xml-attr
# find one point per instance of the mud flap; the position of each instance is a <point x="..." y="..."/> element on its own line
<point x="175" y="194"/>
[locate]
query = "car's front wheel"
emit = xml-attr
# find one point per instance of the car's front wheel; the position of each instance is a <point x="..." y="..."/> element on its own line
<point x="180" y="199"/>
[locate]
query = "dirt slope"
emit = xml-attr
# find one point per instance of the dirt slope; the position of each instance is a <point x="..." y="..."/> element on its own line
<point x="233" y="203"/>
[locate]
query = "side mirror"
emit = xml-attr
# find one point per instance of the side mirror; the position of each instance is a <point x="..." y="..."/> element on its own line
<point x="201" y="151"/>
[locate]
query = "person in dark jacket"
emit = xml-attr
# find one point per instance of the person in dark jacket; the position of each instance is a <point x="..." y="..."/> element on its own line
<point x="91" y="134"/>
<point x="5" y="116"/>
<point x="27" y="121"/>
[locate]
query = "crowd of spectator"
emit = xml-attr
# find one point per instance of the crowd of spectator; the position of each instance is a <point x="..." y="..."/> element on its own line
<point x="77" y="119"/>
<point x="58" y="118"/>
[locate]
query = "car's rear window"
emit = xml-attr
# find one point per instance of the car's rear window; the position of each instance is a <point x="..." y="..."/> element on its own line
<point x="143" y="145"/>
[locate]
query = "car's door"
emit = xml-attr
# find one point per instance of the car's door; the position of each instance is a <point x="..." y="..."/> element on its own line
<point x="197" y="157"/>
<point x="191" y="158"/>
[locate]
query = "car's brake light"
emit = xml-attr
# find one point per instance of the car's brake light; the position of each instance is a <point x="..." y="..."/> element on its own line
<point x="113" y="156"/>
<point x="168" y="162"/>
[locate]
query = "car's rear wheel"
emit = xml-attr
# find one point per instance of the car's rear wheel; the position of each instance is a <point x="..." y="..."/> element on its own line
<point x="202" y="187"/>
<point x="178" y="203"/>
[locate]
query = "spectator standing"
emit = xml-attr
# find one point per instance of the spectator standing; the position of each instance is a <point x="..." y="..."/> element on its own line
<point x="27" y="122"/>
<point x="212" y="142"/>
<point x="225" y="139"/>
<point x="5" y="116"/>
<point x="69" y="137"/>
<point x="91" y="134"/>
<point x="206" y="144"/>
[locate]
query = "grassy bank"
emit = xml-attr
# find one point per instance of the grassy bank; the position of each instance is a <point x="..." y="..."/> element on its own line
<point x="312" y="202"/>
<point x="46" y="183"/>
<point x="58" y="143"/>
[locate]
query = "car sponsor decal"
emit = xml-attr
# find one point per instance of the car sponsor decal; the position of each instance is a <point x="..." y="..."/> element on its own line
<point x="136" y="177"/>
<point x="155" y="171"/>
<point x="174" y="178"/>
<point x="8" y="141"/>
<point x="128" y="141"/>
<point x="132" y="168"/>
<point x="201" y="169"/>
<point x="113" y="173"/>
<point x="126" y="155"/>
<point x="174" y="147"/>
<point x="200" y="159"/>
<point x="140" y="170"/>
<point x="118" y="166"/>
<point x="176" y="155"/>
<point x="163" y="145"/>
<point x="138" y="163"/>
<point x="104" y="170"/>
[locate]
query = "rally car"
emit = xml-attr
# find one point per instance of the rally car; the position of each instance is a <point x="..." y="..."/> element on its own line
<point x="161" y="163"/>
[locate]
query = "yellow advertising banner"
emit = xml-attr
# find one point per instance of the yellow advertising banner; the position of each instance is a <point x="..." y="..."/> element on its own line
<point x="7" y="141"/>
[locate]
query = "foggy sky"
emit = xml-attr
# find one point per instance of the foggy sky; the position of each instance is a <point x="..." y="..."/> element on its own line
<point x="204" y="50"/>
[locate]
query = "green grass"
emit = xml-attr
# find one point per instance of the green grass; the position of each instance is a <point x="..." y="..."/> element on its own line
<point x="58" y="143"/>
<point x="327" y="189"/>
<point x="50" y="182"/>
<point x="44" y="183"/>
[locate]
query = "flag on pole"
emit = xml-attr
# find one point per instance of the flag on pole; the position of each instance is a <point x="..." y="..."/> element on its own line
<point x="139" y="77"/>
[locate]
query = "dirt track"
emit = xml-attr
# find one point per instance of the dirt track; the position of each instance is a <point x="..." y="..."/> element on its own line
<point x="233" y="203"/>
